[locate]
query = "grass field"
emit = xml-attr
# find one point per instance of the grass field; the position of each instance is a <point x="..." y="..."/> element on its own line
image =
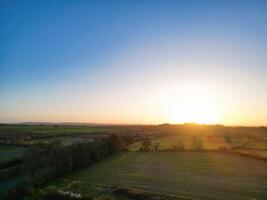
<point x="194" y="175"/>
<point x="48" y="130"/>
<point x="257" y="145"/>
<point x="191" y="174"/>
<point x="65" y="141"/>
<point x="258" y="153"/>
<point x="9" y="152"/>
<point x="168" y="141"/>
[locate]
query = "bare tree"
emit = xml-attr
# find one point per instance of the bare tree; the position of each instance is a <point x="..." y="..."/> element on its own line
<point x="180" y="145"/>
<point x="146" y="144"/>
<point x="156" y="145"/>
<point x="197" y="143"/>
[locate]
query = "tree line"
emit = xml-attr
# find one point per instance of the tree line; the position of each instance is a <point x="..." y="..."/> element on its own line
<point x="45" y="162"/>
<point x="148" y="145"/>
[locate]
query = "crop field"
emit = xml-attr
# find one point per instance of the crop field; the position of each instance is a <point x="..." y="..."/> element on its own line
<point x="189" y="174"/>
<point x="9" y="152"/>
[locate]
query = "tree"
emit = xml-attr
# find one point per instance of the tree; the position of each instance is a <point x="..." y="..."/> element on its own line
<point x="174" y="147"/>
<point x="117" y="143"/>
<point x="227" y="137"/>
<point x="37" y="157"/>
<point x="128" y="139"/>
<point x="146" y="144"/>
<point x="197" y="143"/>
<point x="180" y="145"/>
<point x="156" y="145"/>
<point x="62" y="159"/>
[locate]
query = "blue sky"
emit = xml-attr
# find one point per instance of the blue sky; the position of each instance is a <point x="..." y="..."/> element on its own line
<point x="105" y="61"/>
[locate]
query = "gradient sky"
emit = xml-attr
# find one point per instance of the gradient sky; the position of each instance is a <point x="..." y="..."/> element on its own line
<point x="132" y="61"/>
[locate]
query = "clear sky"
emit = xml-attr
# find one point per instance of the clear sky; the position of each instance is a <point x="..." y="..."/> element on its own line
<point x="136" y="61"/>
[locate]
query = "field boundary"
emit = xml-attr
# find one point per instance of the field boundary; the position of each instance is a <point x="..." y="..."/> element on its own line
<point x="141" y="190"/>
<point x="246" y="155"/>
<point x="228" y="151"/>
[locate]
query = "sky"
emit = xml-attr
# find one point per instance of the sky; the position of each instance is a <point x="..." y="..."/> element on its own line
<point x="134" y="62"/>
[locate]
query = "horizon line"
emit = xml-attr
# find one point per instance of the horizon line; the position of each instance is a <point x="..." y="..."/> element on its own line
<point x="120" y="124"/>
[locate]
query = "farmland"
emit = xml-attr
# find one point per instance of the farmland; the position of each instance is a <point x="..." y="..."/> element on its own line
<point x="190" y="174"/>
<point x="189" y="162"/>
<point x="133" y="100"/>
<point x="168" y="141"/>
<point x="27" y="135"/>
<point x="10" y="152"/>
<point x="49" y="130"/>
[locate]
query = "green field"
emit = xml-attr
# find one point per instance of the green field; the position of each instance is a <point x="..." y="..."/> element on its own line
<point x="168" y="141"/>
<point x="257" y="149"/>
<point x="257" y="153"/>
<point x="64" y="140"/>
<point x="52" y="130"/>
<point x="9" y="152"/>
<point x="207" y="174"/>
<point x="190" y="174"/>
<point x="258" y="145"/>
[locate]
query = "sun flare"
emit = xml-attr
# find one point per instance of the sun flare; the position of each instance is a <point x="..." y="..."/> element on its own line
<point x="190" y="104"/>
<point x="195" y="111"/>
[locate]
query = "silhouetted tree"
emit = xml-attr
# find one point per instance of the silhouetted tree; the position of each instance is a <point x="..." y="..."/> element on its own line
<point x="156" y="145"/>
<point x="117" y="143"/>
<point x="146" y="144"/>
<point x="180" y="145"/>
<point x="197" y="143"/>
<point x="62" y="159"/>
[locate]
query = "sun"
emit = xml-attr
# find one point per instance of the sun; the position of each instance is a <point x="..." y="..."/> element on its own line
<point x="190" y="104"/>
<point x="198" y="111"/>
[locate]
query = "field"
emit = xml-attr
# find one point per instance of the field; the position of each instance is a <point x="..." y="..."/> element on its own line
<point x="239" y="145"/>
<point x="10" y="152"/>
<point x="26" y="135"/>
<point x="65" y="141"/>
<point x="231" y="163"/>
<point x="257" y="153"/>
<point x="51" y="130"/>
<point x="168" y="141"/>
<point x="14" y="137"/>
<point x="189" y="174"/>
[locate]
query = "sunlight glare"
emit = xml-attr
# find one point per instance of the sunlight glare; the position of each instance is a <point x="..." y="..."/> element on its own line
<point x="190" y="104"/>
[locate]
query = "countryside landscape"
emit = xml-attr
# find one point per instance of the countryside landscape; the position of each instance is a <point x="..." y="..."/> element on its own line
<point x="134" y="162"/>
<point x="133" y="100"/>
